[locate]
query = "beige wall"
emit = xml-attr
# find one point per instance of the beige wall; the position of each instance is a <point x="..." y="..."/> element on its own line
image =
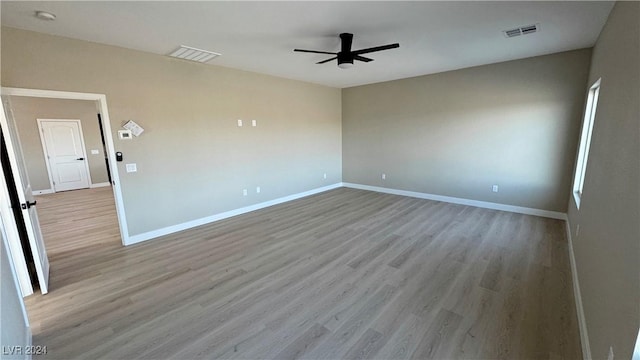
<point x="457" y="133"/>
<point x="607" y="247"/>
<point x="26" y="111"/>
<point x="193" y="161"/>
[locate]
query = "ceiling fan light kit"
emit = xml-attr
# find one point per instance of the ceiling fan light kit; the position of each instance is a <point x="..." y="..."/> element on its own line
<point x="345" y="62"/>
<point x="346" y="57"/>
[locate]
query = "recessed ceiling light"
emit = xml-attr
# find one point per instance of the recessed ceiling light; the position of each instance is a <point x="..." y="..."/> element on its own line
<point x="44" y="15"/>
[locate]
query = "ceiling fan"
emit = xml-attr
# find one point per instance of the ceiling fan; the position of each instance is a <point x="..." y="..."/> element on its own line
<point x="346" y="56"/>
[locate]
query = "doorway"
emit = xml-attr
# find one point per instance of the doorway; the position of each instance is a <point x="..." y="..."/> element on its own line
<point x="99" y="101"/>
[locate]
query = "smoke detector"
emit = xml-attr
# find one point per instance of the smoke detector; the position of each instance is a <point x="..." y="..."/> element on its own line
<point x="45" y="15"/>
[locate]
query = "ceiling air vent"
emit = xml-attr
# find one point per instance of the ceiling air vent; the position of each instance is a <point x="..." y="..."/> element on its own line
<point x="193" y="54"/>
<point x="523" y="30"/>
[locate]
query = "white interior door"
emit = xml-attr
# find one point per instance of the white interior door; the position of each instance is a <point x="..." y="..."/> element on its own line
<point x="12" y="236"/>
<point x="63" y="145"/>
<point x="25" y="196"/>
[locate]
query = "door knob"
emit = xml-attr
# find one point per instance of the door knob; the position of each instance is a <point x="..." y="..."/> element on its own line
<point x="80" y="159"/>
<point x="28" y="204"/>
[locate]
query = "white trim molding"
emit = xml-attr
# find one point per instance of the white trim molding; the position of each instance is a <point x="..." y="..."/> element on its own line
<point x="56" y="94"/>
<point x="97" y="185"/>
<point x="461" y="201"/>
<point x="582" y="322"/>
<point x="29" y="337"/>
<point x="227" y="214"/>
<point x="636" y="349"/>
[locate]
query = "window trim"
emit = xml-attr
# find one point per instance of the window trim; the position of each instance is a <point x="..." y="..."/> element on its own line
<point x="585" y="141"/>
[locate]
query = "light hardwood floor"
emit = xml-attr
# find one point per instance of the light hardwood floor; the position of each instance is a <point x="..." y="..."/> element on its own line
<point x="344" y="274"/>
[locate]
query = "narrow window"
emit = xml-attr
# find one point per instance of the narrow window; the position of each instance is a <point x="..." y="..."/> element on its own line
<point x="585" y="141"/>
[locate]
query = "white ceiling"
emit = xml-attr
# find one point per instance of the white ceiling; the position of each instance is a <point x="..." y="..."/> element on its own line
<point x="260" y="36"/>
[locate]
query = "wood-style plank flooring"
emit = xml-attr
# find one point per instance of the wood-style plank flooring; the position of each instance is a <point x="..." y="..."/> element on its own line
<point x="346" y="274"/>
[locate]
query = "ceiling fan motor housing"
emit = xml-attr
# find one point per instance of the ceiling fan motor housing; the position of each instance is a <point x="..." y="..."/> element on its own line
<point x="345" y="60"/>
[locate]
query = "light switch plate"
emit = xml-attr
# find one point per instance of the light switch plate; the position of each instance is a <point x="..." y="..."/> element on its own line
<point x="132" y="168"/>
<point x="254" y="123"/>
<point x="239" y="122"/>
<point x="95" y="152"/>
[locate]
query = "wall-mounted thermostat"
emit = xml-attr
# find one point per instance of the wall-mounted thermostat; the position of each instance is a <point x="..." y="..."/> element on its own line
<point x="125" y="134"/>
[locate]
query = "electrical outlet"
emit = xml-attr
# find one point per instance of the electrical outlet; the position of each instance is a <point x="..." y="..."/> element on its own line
<point x="254" y="123"/>
<point x="95" y="152"/>
<point x="610" y="356"/>
<point x="239" y="122"/>
<point x="131" y="168"/>
<point x="324" y="176"/>
<point x="244" y="192"/>
<point x="257" y="189"/>
<point x="494" y="188"/>
<point x="384" y="176"/>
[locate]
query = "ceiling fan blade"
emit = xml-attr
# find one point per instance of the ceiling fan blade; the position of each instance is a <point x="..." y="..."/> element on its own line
<point x="377" y="48"/>
<point x="362" y="58"/>
<point x="324" y="61"/>
<point x="315" y="51"/>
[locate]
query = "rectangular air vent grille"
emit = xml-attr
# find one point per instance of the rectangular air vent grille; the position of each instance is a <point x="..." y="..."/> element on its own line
<point x="514" y="32"/>
<point x="523" y="30"/>
<point x="193" y="54"/>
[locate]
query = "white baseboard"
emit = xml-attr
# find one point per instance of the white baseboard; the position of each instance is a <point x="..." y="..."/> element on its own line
<point x="461" y="201"/>
<point x="209" y="219"/>
<point x="582" y="323"/>
<point x="50" y="191"/>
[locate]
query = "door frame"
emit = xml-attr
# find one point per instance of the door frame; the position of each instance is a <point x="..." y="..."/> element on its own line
<point x="46" y="154"/>
<point x="101" y="103"/>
